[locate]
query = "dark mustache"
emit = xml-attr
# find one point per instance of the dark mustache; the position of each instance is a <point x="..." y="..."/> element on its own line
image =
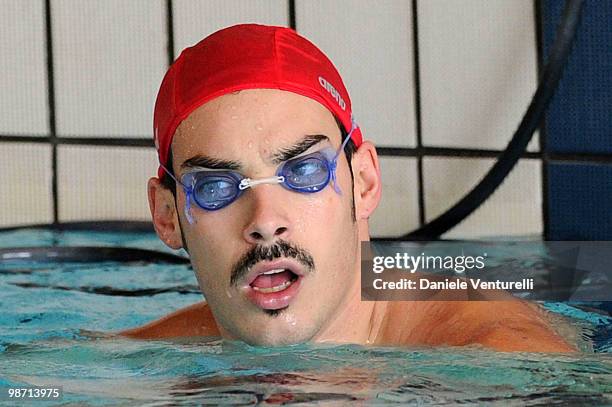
<point x="278" y="250"/>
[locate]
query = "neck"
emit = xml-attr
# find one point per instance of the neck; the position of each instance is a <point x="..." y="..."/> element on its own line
<point x="357" y="321"/>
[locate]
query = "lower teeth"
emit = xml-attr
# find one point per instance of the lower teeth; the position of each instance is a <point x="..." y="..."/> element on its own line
<point x="274" y="289"/>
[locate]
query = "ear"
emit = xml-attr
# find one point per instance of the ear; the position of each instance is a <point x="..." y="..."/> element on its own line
<point x="368" y="184"/>
<point x="163" y="212"/>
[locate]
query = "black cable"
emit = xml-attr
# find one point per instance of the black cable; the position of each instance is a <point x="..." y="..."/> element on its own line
<point x="516" y="147"/>
<point x="87" y="254"/>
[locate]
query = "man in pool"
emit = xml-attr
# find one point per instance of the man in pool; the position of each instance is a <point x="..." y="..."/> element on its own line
<point x="266" y="182"/>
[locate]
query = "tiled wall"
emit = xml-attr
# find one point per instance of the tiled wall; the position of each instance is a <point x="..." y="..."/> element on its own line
<point x="438" y="85"/>
<point x="578" y="157"/>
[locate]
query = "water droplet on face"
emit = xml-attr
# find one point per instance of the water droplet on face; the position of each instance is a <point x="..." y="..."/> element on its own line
<point x="234" y="117"/>
<point x="250" y="144"/>
<point x="299" y="226"/>
<point x="291" y="319"/>
<point x="234" y="107"/>
<point x="258" y="127"/>
<point x="267" y="141"/>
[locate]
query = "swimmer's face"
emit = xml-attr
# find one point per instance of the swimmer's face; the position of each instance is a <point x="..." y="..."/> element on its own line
<point x="307" y="243"/>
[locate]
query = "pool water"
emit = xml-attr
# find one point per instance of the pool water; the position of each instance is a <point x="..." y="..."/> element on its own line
<point x="54" y="316"/>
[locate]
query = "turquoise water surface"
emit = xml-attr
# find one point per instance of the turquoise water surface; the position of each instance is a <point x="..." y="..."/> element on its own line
<point x="54" y="316"/>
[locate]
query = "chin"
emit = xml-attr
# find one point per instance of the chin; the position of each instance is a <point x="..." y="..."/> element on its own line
<point x="274" y="341"/>
<point x="276" y="333"/>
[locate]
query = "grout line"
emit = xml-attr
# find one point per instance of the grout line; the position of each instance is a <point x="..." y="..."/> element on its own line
<point x="85" y="141"/>
<point x="52" y="139"/>
<point x="417" y="108"/>
<point x="398" y="152"/>
<point x="446" y="152"/>
<point x="292" y="17"/>
<point x="170" y="31"/>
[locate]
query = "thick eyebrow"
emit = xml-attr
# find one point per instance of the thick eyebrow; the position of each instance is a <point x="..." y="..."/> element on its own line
<point x="298" y="148"/>
<point x="284" y="154"/>
<point x="202" y="161"/>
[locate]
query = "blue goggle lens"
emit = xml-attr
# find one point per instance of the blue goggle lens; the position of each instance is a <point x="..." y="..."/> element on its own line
<point x="308" y="174"/>
<point x="214" y="191"/>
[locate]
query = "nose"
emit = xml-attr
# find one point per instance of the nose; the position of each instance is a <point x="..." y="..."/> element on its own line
<point x="268" y="218"/>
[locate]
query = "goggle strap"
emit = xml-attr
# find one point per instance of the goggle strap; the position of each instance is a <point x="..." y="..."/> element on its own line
<point x="187" y="194"/>
<point x="170" y="174"/>
<point x="188" y="207"/>
<point x="348" y="137"/>
<point x="333" y="178"/>
<point x="340" y="150"/>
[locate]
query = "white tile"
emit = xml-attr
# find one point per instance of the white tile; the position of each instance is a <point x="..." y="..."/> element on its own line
<point x="110" y="57"/>
<point x="478" y="70"/>
<point x="371" y="45"/>
<point x="26" y="184"/>
<point x="196" y="19"/>
<point x="398" y="212"/>
<point x="23" y="99"/>
<point x="104" y="182"/>
<point x="514" y="209"/>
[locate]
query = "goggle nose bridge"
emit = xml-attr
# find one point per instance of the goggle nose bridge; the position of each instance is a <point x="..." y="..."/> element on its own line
<point x="250" y="183"/>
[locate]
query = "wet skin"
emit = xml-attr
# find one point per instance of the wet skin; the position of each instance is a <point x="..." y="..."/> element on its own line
<point x="230" y="248"/>
<point x="502" y="326"/>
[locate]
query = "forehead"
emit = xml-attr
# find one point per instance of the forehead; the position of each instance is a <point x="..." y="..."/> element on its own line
<point x="250" y="117"/>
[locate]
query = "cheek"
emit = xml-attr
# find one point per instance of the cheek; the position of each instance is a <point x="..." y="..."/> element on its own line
<point x="312" y="213"/>
<point x="324" y="224"/>
<point x="212" y="254"/>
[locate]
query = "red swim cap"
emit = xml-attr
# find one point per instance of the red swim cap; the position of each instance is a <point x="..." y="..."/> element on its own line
<point x="246" y="56"/>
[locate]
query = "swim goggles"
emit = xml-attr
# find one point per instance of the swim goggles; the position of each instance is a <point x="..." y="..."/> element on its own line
<point x="214" y="190"/>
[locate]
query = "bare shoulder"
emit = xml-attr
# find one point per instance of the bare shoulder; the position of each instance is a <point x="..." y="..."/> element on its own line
<point x="515" y="326"/>
<point x="509" y="326"/>
<point x="194" y="320"/>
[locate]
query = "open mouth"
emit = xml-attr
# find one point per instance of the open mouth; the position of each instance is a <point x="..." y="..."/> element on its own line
<point x="274" y="281"/>
<point x="272" y="286"/>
